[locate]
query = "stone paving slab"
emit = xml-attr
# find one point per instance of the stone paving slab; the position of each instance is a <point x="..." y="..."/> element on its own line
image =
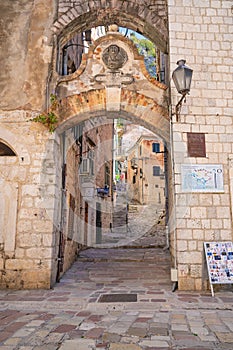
<point x="70" y="316"/>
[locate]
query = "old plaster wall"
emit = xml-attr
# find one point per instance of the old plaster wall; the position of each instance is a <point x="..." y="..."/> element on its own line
<point x="26" y="48"/>
<point x="71" y="203"/>
<point x="100" y="132"/>
<point x="27" y="241"/>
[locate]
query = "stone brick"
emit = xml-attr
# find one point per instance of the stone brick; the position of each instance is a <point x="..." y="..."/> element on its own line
<point x="120" y="346"/>
<point x="223" y="212"/>
<point x="39" y="253"/>
<point x="216" y="223"/>
<point x="186" y="283"/>
<point x="192" y="245"/>
<point x="199" y="284"/>
<point x="199" y="212"/>
<point x="66" y="328"/>
<point x="198" y="235"/>
<point x="28" y="239"/>
<point x="190" y="257"/>
<point x="183" y="270"/>
<point x="182" y="245"/>
<point x="196" y="270"/>
<point x="81" y="344"/>
<point x="21" y="264"/>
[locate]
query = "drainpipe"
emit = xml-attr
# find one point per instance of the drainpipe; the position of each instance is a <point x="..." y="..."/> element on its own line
<point x="60" y="252"/>
<point x="174" y="272"/>
<point x="142" y="182"/>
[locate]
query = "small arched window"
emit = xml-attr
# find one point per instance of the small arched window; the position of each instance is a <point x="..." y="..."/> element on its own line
<point x="6" y="150"/>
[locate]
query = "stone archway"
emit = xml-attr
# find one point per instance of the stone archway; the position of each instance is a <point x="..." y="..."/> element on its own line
<point x="90" y="114"/>
<point x="133" y="106"/>
<point x="150" y="20"/>
<point x="124" y="90"/>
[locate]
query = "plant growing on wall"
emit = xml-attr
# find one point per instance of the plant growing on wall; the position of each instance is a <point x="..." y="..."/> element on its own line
<point x="48" y="119"/>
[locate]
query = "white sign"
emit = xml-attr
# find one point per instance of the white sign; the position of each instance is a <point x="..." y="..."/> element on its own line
<point x="219" y="258"/>
<point x="202" y="178"/>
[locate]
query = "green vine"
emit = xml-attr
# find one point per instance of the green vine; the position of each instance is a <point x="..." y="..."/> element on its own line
<point x="48" y="119"/>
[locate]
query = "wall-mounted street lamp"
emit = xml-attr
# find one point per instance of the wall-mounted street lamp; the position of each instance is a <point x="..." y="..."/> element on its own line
<point x="182" y="77"/>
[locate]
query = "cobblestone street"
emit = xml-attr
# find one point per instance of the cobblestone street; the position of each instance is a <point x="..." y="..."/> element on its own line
<point x="140" y="312"/>
<point x="144" y="226"/>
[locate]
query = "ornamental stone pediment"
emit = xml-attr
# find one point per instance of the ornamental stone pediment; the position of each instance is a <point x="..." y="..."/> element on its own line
<point x="112" y="62"/>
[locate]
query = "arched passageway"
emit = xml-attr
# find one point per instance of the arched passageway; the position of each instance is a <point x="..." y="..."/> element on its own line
<point x="111" y="83"/>
<point x="89" y="209"/>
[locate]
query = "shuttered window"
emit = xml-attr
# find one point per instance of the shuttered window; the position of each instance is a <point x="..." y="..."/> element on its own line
<point x="156" y="171"/>
<point x="155" y="147"/>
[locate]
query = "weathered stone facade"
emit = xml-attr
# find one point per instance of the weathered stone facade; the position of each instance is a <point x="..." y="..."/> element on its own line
<point x="31" y="34"/>
<point x="145" y="172"/>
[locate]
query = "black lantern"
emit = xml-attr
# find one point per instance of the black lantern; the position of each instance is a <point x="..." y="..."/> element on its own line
<point x="182" y="77"/>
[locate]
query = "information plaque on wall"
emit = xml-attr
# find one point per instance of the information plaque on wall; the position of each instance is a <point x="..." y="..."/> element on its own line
<point x="196" y="144"/>
<point x="202" y="178"/>
<point x="219" y="259"/>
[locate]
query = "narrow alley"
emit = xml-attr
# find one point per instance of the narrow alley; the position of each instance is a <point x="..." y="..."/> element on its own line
<point x="135" y="225"/>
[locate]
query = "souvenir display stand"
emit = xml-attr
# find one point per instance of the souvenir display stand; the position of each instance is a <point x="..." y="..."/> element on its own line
<point x="219" y="258"/>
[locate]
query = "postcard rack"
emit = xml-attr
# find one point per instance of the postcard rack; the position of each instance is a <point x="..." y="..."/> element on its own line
<point x="219" y="259"/>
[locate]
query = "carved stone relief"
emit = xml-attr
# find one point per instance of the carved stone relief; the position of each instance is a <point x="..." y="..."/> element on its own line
<point x="114" y="57"/>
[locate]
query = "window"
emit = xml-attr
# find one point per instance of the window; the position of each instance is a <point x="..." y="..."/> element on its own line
<point x="156" y="170"/>
<point x="6" y="150"/>
<point x="70" y="232"/>
<point x="155" y="147"/>
<point x="141" y="173"/>
<point x="84" y="167"/>
<point x="91" y="156"/>
<point x="140" y="150"/>
<point x="71" y="53"/>
<point x="107" y="175"/>
<point x="78" y="132"/>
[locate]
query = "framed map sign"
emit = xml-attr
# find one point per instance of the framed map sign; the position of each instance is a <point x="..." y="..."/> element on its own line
<point x="219" y="259"/>
<point x="202" y="178"/>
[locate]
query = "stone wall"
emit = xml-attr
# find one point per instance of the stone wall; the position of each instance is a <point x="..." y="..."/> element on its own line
<point x="201" y="33"/>
<point x="26" y="48"/>
<point x="26" y="239"/>
<point x="71" y="202"/>
<point x="28" y="244"/>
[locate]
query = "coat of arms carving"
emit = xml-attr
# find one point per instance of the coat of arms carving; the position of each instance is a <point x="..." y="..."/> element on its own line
<point x="114" y="57"/>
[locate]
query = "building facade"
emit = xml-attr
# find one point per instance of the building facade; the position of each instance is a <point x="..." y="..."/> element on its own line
<point x="112" y="80"/>
<point x="145" y="172"/>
